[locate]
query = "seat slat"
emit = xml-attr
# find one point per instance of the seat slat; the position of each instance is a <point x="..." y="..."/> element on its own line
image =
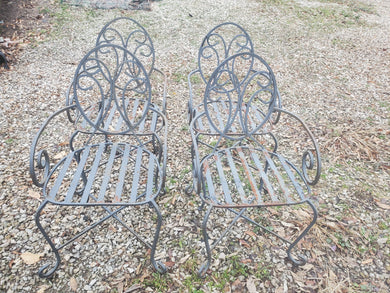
<point x="200" y="124"/>
<point x="153" y="123"/>
<point x="264" y="177"/>
<point x="282" y="184"/>
<point x="291" y="175"/>
<point x="219" y="117"/>
<point x="236" y="177"/>
<point x="210" y="184"/>
<point x="120" y="119"/>
<point x="61" y="176"/>
<point x="141" y="126"/>
<point x="110" y="117"/>
<point x="225" y="187"/>
<point x="136" y="175"/>
<point x="122" y="173"/>
<point x="134" y="112"/>
<point x="151" y="178"/>
<point x="107" y="173"/>
<point x="78" y="174"/>
<point x="232" y="127"/>
<point x="92" y="174"/>
<point x="248" y="172"/>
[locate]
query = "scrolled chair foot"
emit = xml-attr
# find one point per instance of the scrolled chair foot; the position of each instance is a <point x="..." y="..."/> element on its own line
<point x="189" y="189"/>
<point x="160" y="267"/>
<point x="203" y="269"/>
<point x="45" y="272"/>
<point x="301" y="261"/>
<point x="200" y="208"/>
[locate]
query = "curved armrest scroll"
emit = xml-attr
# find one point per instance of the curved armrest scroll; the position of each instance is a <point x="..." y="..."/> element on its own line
<point x="40" y="159"/>
<point x="311" y="159"/>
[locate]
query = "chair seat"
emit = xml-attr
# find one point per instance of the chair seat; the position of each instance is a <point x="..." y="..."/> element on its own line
<point x="105" y="174"/>
<point x="220" y="113"/>
<point x="246" y="176"/>
<point x="152" y="123"/>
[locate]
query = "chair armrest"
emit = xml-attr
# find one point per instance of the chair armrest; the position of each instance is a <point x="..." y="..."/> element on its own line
<point x="191" y="107"/>
<point x="196" y="160"/>
<point x="164" y="98"/>
<point x="292" y="136"/>
<point x="163" y="138"/>
<point x="49" y="143"/>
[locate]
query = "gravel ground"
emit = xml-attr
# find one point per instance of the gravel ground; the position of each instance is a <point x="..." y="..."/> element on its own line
<point x="331" y="59"/>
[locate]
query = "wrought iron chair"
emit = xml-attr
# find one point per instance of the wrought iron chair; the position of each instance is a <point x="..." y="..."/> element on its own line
<point x="244" y="162"/>
<point x="109" y="155"/>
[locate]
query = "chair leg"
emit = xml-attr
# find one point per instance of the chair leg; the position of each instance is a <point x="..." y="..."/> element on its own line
<point x="159" y="266"/>
<point x="44" y="271"/>
<point x="302" y="259"/>
<point x="205" y="266"/>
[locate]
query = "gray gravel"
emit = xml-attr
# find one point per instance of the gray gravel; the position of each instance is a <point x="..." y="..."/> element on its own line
<point x="334" y="73"/>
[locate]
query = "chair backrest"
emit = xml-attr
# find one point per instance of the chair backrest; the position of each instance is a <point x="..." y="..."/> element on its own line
<point x="111" y="90"/>
<point x="128" y="33"/>
<point x="241" y="91"/>
<point x="222" y="41"/>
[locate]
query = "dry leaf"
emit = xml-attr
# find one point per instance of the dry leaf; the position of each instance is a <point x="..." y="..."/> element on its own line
<point x="244" y="243"/>
<point x="34" y="194"/>
<point x="43" y="288"/>
<point x="246" y="261"/>
<point x="250" y="233"/>
<point x="169" y="263"/>
<point x="184" y="259"/>
<point x="31" y="258"/>
<point x="73" y="284"/>
<point x="120" y="287"/>
<point x="299" y="279"/>
<point x="250" y="285"/>
<point x="133" y="288"/>
<point x="279" y="289"/>
<point x="332" y="275"/>
<point x="60" y="155"/>
<point x="383" y="206"/>
<point x="367" y="261"/>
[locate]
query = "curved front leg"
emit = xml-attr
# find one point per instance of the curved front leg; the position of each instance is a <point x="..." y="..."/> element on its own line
<point x="302" y="259"/>
<point x="205" y="266"/>
<point x="158" y="265"/>
<point x="45" y="271"/>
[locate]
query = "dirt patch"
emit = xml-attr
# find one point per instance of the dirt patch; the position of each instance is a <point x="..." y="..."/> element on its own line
<point x="19" y="23"/>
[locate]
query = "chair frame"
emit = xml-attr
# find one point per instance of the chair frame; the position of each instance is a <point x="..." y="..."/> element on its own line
<point x="213" y="159"/>
<point x="111" y="126"/>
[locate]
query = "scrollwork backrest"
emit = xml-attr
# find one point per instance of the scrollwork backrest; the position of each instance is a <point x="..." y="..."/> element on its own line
<point x="128" y="33"/>
<point x="111" y="90"/>
<point x="240" y="96"/>
<point x="222" y="41"/>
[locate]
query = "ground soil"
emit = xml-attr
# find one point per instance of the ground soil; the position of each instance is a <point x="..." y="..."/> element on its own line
<point x="19" y="21"/>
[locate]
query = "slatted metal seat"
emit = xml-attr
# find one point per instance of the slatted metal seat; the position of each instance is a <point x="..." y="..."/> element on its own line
<point x="109" y="173"/>
<point x="242" y="159"/>
<point x="107" y="149"/>
<point x="246" y="176"/>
